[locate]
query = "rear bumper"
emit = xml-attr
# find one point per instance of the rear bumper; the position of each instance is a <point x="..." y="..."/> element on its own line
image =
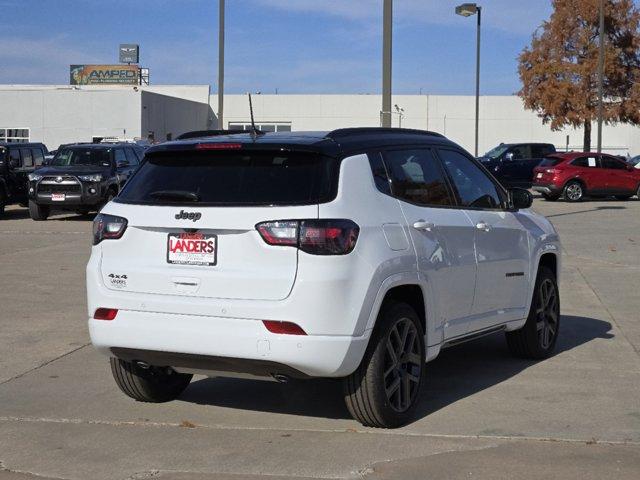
<point x="546" y="188"/>
<point x="226" y="344"/>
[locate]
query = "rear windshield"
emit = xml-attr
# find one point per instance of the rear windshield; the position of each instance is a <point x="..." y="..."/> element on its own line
<point x="89" y="157"/>
<point x="232" y="178"/>
<point x="550" y="162"/>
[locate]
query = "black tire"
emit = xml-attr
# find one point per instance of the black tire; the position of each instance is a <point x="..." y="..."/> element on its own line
<point x="38" y="212"/>
<point x="573" y="191"/>
<point x="550" y="198"/>
<point x="154" y="385"/>
<point x="2" y="203"/>
<point x="537" y="338"/>
<point x="111" y="194"/>
<point x="365" y="390"/>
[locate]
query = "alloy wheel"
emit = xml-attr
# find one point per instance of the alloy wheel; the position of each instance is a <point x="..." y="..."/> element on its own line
<point x="547" y="313"/>
<point x="574" y="191"/>
<point x="402" y="365"/>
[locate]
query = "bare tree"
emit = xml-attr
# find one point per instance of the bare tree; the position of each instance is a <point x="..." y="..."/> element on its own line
<point x="559" y="69"/>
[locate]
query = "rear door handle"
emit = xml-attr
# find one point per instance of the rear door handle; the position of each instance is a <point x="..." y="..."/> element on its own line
<point x="423" y="225"/>
<point x="484" y="226"/>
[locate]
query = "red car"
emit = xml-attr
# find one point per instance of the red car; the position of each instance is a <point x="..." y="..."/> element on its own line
<point x="575" y="175"/>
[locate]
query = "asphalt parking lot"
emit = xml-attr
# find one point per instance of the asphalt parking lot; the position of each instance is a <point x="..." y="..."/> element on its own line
<point x="484" y="413"/>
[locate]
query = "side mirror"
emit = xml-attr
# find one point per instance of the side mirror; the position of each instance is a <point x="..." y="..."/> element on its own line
<point x="508" y="156"/>
<point x="630" y="168"/>
<point x="520" y="198"/>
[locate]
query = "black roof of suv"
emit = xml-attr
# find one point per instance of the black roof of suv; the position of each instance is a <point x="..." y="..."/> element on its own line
<point x="24" y="145"/>
<point x="333" y="143"/>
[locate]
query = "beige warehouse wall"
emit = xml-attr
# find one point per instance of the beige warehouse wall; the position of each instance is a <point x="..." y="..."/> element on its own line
<point x="65" y="115"/>
<point x="502" y="118"/>
<point x="58" y="114"/>
<point x="162" y="115"/>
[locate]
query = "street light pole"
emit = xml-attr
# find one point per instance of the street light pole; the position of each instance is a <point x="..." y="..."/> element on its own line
<point x="220" y="64"/>
<point x="478" y="77"/>
<point x="387" y="22"/>
<point x="466" y="10"/>
<point x="600" y="74"/>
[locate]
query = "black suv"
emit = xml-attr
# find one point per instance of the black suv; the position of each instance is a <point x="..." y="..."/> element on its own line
<point x="17" y="161"/>
<point x="82" y="177"/>
<point x="513" y="163"/>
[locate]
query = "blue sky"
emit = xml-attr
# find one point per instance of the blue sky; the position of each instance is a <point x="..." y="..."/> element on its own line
<point x="296" y="46"/>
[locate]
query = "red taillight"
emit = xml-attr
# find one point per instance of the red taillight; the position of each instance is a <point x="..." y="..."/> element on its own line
<point x="218" y="146"/>
<point x="105" y="313"/>
<point x="283" y="328"/>
<point x="279" y="233"/>
<point x="317" y="237"/>
<point x="108" y="227"/>
<point x="328" y="237"/>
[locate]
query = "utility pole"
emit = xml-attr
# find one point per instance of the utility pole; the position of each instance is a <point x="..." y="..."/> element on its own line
<point x="220" y="64"/>
<point x="467" y="10"/>
<point x="478" y="77"/>
<point x="600" y="74"/>
<point x="386" y="63"/>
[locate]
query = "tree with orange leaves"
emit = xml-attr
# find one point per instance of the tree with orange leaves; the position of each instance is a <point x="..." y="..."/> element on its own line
<point x="559" y="70"/>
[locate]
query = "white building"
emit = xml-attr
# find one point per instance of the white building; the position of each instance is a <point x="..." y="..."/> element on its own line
<point x="502" y="118"/>
<point x="56" y="114"/>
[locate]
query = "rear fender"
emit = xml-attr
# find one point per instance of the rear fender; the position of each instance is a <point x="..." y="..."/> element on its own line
<point x="396" y="280"/>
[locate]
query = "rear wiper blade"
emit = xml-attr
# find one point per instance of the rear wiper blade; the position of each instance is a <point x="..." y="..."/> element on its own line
<point x="184" y="195"/>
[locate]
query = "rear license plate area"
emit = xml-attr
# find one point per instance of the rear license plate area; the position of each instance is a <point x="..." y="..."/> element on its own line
<point x="192" y="249"/>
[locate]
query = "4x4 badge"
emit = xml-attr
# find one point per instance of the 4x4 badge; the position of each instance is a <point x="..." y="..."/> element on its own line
<point x="195" y="216"/>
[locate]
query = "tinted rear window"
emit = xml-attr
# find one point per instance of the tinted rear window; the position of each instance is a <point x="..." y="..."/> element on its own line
<point x="550" y="162"/>
<point x="233" y="178"/>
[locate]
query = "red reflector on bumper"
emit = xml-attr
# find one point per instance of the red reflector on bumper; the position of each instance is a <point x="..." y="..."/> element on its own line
<point x="105" y="313"/>
<point x="284" y="328"/>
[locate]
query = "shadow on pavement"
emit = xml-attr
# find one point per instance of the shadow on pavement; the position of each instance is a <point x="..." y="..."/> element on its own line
<point x="14" y="214"/>
<point x="56" y="216"/>
<point x="606" y="207"/>
<point x="457" y="373"/>
<point x="462" y="371"/>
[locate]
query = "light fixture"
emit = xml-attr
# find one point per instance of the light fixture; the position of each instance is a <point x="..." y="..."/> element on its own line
<point x="467" y="9"/>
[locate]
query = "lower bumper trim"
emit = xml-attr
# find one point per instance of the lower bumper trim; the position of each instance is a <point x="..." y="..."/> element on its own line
<point x="261" y="368"/>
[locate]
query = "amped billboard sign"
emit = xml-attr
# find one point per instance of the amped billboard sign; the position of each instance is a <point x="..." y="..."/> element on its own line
<point x="104" y="75"/>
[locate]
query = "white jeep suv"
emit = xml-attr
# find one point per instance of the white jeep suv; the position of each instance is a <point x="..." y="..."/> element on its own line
<point x="358" y="253"/>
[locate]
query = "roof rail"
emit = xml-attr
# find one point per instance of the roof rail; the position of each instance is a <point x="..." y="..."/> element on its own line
<point x="208" y="133"/>
<point x="345" y="132"/>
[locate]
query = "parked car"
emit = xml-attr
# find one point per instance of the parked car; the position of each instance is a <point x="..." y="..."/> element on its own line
<point x="81" y="177"/>
<point x="576" y="175"/>
<point x="17" y="161"/>
<point x="513" y="163"/>
<point x="358" y="253"/>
